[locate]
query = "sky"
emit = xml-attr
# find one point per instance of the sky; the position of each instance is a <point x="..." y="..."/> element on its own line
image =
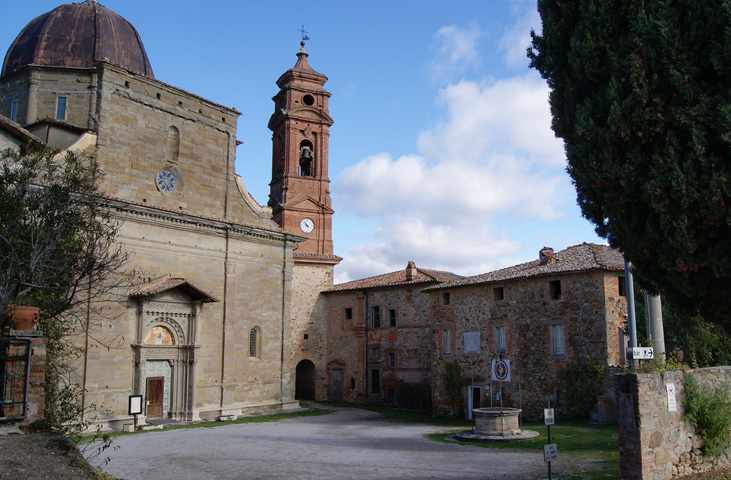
<point x="441" y="152"/>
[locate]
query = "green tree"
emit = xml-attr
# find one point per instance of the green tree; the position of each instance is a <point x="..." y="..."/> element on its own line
<point x="582" y="381"/>
<point x="640" y="95"/>
<point x="58" y="252"/>
<point x="688" y="337"/>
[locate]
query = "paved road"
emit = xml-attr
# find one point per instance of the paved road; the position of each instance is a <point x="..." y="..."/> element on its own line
<point x="348" y="444"/>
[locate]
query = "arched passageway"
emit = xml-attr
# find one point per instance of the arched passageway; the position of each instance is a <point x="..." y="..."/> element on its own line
<point x="305" y="381"/>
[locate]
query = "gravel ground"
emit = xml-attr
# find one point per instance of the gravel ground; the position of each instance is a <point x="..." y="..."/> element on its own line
<point x="346" y="444"/>
<point x="42" y="456"/>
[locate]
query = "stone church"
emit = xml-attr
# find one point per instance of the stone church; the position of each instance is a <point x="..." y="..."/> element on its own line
<point x="221" y="321"/>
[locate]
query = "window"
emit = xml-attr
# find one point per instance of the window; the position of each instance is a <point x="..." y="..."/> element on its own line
<point x="498" y="293"/>
<point x="391" y="317"/>
<point x="376" y="316"/>
<point x="254" y="343"/>
<point x="622" y="287"/>
<point x="445" y="298"/>
<point x="14" y="110"/>
<point x="375" y="353"/>
<point x="392" y="360"/>
<point x="348" y="313"/>
<point x="447" y="341"/>
<point x="61" y="108"/>
<point x="557" y="340"/>
<point x="554" y="289"/>
<point x="500" y="339"/>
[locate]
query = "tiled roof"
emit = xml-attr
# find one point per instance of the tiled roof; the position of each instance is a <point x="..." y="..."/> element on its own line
<point x="169" y="283"/>
<point x="421" y="275"/>
<point x="579" y="258"/>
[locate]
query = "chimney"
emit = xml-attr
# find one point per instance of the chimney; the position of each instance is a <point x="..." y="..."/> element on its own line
<point x="411" y="272"/>
<point x="546" y="255"/>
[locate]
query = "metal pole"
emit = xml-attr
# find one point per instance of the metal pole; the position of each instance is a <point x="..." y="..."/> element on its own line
<point x="548" y="428"/>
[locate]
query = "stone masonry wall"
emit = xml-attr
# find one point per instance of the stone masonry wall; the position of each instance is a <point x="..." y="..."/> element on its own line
<point x="400" y="354"/>
<point x="655" y="443"/>
<point x="589" y="309"/>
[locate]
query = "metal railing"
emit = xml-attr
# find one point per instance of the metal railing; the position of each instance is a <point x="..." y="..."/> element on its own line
<point x="14" y="376"/>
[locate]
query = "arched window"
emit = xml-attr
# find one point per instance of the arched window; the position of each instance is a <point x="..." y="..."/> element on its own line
<point x="254" y="343"/>
<point x="307" y="159"/>
<point x="172" y="144"/>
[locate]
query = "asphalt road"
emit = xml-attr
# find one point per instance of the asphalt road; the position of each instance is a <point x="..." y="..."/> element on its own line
<point x="348" y="444"/>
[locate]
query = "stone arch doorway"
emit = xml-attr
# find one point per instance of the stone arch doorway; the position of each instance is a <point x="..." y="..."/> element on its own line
<point x="305" y="381"/>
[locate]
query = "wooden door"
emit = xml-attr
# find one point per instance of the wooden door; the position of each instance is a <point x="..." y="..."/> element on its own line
<point x="336" y="385"/>
<point x="155" y="394"/>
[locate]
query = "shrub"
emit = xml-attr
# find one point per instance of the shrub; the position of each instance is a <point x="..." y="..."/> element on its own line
<point x="582" y="381"/>
<point x="708" y="409"/>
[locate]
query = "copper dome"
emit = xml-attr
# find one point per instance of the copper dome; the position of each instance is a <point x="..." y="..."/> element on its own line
<point x="76" y="35"/>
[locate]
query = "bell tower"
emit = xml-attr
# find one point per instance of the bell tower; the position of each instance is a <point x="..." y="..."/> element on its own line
<point x="300" y="188"/>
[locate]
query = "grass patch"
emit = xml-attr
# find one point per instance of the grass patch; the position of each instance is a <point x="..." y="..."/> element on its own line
<point x="275" y="417"/>
<point x="597" y="442"/>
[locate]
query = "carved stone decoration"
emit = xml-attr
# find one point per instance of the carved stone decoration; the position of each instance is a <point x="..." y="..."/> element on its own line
<point x="166" y="331"/>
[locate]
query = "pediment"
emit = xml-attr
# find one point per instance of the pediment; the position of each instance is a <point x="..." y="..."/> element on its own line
<point x="307" y="204"/>
<point x="174" y="289"/>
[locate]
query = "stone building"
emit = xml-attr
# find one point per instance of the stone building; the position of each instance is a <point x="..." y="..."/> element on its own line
<point x="379" y="338"/>
<point x="208" y="329"/>
<point x="300" y="202"/>
<point x="540" y="315"/>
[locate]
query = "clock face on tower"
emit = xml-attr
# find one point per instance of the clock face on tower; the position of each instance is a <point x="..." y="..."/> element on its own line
<point x="306" y="225"/>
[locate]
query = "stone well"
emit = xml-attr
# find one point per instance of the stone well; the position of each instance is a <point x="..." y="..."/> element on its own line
<point x="497" y="421"/>
<point x="496" y="424"/>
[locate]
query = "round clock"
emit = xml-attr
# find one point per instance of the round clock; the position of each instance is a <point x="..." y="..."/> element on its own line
<point x="166" y="181"/>
<point x="306" y="225"/>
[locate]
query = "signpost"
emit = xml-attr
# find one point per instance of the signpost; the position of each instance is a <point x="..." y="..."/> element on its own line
<point x="500" y="370"/>
<point x="135" y="407"/>
<point x="640" y="353"/>
<point x="550" y="450"/>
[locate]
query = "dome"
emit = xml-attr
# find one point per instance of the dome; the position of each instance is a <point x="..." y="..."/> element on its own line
<point x="76" y="35"/>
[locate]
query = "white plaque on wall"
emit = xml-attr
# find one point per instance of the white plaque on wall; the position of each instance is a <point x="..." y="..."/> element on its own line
<point x="672" y="403"/>
<point x="472" y="342"/>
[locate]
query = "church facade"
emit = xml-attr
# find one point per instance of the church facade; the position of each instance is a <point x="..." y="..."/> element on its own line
<point x="207" y="330"/>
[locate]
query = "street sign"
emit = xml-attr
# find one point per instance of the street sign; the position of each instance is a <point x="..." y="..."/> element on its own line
<point x="501" y="370"/>
<point x="550" y="452"/>
<point x="640" y="353"/>
<point x="548" y="416"/>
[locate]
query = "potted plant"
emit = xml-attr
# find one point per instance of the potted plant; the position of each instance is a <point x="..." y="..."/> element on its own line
<point x="22" y="317"/>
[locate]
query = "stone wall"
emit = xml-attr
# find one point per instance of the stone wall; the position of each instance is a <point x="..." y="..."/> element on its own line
<point x="397" y="353"/>
<point x="308" y="327"/>
<point x="656" y="443"/>
<point x="589" y="309"/>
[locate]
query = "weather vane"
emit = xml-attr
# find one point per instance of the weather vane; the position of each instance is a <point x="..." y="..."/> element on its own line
<point x="304" y="34"/>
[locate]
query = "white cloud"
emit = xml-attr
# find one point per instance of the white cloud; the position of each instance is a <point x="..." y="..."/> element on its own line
<point x="456" y="51"/>
<point x="507" y="116"/>
<point x="465" y="249"/>
<point x="491" y="164"/>
<point x="516" y="40"/>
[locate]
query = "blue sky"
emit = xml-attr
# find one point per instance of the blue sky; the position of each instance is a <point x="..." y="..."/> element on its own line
<point x="441" y="151"/>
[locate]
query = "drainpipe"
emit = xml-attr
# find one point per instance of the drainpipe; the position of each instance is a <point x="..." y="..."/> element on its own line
<point x="630" y="307"/>
<point x="365" y="341"/>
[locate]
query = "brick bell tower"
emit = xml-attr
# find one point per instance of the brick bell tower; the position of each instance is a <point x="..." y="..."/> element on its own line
<point x="300" y="188"/>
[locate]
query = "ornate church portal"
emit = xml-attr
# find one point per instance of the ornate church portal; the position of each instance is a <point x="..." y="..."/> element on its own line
<point x="165" y="350"/>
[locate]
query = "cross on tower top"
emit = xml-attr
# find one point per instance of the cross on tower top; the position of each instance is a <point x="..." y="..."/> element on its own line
<point x="304" y="35"/>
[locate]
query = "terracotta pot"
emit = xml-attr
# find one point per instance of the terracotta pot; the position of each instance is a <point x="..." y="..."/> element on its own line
<point x="24" y="317"/>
